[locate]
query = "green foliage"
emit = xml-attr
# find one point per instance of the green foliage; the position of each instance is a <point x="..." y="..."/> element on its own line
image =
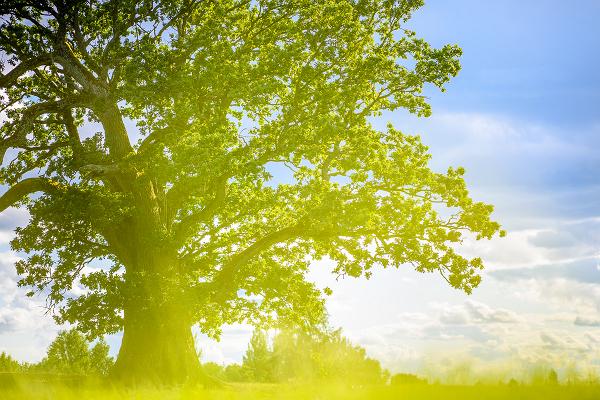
<point x="259" y="360"/>
<point x="228" y="373"/>
<point x="406" y="379"/>
<point x="326" y="356"/>
<point x="214" y="370"/>
<point x="236" y="373"/>
<point x="9" y="364"/>
<point x="70" y="353"/>
<point x="552" y="377"/>
<point x="305" y="77"/>
<point x="300" y="357"/>
<point x="543" y="375"/>
<point x="188" y="225"/>
<point x="100" y="362"/>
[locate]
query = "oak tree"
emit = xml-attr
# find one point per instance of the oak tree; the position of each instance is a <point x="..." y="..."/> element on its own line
<point x="175" y="212"/>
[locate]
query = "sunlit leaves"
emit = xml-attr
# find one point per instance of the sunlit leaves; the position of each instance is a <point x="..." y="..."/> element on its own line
<point x="226" y="95"/>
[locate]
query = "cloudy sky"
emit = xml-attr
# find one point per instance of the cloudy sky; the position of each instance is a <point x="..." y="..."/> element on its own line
<point x="523" y="118"/>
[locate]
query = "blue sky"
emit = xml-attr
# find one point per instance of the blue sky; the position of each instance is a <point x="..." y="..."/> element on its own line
<point x="532" y="62"/>
<point x="530" y="59"/>
<point x="523" y="117"/>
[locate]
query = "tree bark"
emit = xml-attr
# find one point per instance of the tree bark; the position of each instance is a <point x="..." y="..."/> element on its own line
<point x="157" y="347"/>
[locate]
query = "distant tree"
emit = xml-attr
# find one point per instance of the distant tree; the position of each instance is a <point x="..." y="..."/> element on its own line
<point x="339" y="359"/>
<point x="292" y="357"/>
<point x="590" y="376"/>
<point x="183" y="210"/>
<point x="70" y="353"/>
<point x="214" y="370"/>
<point x="101" y="362"/>
<point x="572" y="374"/>
<point x="237" y="373"/>
<point x="542" y="374"/>
<point x="407" y="379"/>
<point x="9" y="364"/>
<point x="326" y="356"/>
<point x="297" y="356"/>
<point x="513" y="382"/>
<point x="258" y="360"/>
<point x="552" y="377"/>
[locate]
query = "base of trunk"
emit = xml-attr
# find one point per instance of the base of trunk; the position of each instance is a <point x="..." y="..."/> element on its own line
<point x="158" y="352"/>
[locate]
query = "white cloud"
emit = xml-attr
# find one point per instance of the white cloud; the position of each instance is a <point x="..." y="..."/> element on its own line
<point x="25" y="330"/>
<point x="551" y="242"/>
<point x="13" y="217"/>
<point x="454" y="316"/>
<point x="554" y="293"/>
<point x="482" y="313"/>
<point x="474" y="312"/>
<point x="587" y="321"/>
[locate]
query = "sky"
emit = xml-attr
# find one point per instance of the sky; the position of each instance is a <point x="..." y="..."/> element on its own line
<point x="523" y="118"/>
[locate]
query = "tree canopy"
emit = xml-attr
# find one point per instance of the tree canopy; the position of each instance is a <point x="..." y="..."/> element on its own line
<point x="177" y="202"/>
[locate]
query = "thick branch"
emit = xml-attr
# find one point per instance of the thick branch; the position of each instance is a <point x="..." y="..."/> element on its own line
<point x="186" y="226"/>
<point x="100" y="169"/>
<point x="74" y="139"/>
<point x="20" y="190"/>
<point x="159" y="136"/>
<point x="117" y="139"/>
<point x="76" y="70"/>
<point x="23" y="127"/>
<point x="8" y="79"/>
<point x="227" y="273"/>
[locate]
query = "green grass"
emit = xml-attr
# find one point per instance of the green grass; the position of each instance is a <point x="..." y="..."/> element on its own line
<point x="312" y="392"/>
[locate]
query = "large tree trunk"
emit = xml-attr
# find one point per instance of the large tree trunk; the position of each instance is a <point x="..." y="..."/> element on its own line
<point x="157" y="347"/>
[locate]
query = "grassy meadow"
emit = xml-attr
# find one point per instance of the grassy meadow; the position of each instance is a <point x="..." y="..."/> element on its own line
<point x="28" y="391"/>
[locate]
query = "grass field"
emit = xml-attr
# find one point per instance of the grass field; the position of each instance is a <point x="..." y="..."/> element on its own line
<point x="316" y="392"/>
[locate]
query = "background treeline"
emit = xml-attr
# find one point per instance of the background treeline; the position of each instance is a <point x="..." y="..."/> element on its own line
<point x="285" y="357"/>
<point x="297" y="356"/>
<point x="69" y="354"/>
<point x="290" y="356"/>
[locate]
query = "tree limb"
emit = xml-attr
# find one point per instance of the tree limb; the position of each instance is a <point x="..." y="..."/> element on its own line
<point x="21" y="189"/>
<point x="100" y="169"/>
<point x="185" y="227"/>
<point x="227" y="272"/>
<point x="18" y="138"/>
<point x="6" y="80"/>
<point x="74" y="139"/>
